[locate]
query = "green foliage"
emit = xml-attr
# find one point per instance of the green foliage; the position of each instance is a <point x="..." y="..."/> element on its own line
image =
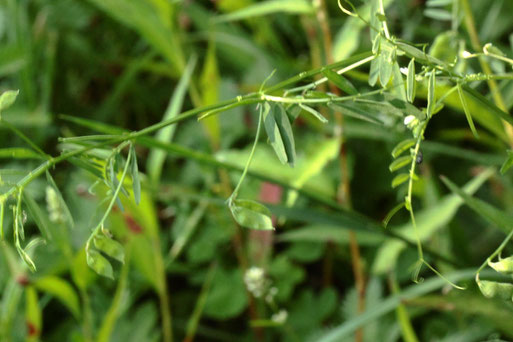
<point x="136" y="233"/>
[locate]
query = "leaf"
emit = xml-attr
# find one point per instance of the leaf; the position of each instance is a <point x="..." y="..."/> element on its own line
<point x="493" y="289"/>
<point x="508" y="163"/>
<point x="227" y="297"/>
<point x="268" y="7"/>
<point x="493" y="215"/>
<point x="62" y="203"/>
<point x="134" y="174"/>
<point x="348" y="327"/>
<point x="340" y="81"/>
<point x="374" y="71"/>
<point x="399" y="163"/>
<point x="419" y="55"/>
<point x="151" y="23"/>
<point x="398" y="83"/>
<point x="431" y="94"/>
<point x="486" y="104"/>
<point x="385" y="67"/>
<point x="438" y="14"/>
<point x="503" y="265"/>
<point x="466" y="111"/>
<point x="251" y="214"/>
<point x="7" y="99"/>
<point x="99" y="264"/>
<point x="315" y="113"/>
<point x="38" y="215"/>
<point x="110" y="247"/>
<point x="325" y="233"/>
<point x="400" y="179"/>
<point x="392" y="212"/>
<point x="402" y="146"/>
<point x="411" y="82"/>
<point x="19" y="153"/>
<point x="32" y="314"/>
<point x="428" y="221"/>
<point x="279" y="131"/>
<point x="210" y="83"/>
<point x="61" y="290"/>
<point x="357" y="110"/>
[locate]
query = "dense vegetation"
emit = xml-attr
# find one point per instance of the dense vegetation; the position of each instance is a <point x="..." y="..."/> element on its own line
<point x="242" y="170"/>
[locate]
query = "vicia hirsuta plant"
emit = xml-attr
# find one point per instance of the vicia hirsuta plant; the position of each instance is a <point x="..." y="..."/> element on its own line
<point x="278" y="106"/>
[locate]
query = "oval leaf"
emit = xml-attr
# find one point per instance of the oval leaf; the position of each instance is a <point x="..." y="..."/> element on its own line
<point x="503" y="265"/>
<point x="340" y="81"/>
<point x="110" y="247"/>
<point x="7" y="98"/>
<point x="399" y="163"/>
<point x="400" y="179"/>
<point x="99" y="263"/>
<point x="402" y="146"/>
<point x="493" y="289"/>
<point x="251" y="214"/>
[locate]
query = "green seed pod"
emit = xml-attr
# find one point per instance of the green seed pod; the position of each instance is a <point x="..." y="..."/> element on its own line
<point x="493" y="289"/>
<point x="503" y="265"/>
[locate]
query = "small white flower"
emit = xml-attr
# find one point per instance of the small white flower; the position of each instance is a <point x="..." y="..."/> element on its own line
<point x="404" y="71"/>
<point x="409" y="119"/>
<point x="466" y="54"/>
<point x="280" y="317"/>
<point x="255" y="281"/>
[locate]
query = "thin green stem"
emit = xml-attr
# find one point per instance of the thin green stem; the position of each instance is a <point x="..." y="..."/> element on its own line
<point x="476" y="45"/>
<point x="25" y="138"/>
<point x="385" y="26"/>
<point x="496" y="252"/>
<point x="112" y="201"/>
<point x="250" y="159"/>
<point x="325" y="79"/>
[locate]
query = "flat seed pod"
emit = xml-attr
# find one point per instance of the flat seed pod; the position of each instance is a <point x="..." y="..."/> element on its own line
<point x="251" y="214"/>
<point x="411" y="83"/>
<point x="431" y="94"/>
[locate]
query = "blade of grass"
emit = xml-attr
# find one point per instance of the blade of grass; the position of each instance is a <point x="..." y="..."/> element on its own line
<point x="157" y="157"/>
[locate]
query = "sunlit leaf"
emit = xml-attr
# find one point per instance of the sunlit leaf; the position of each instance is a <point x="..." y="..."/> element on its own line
<point x="340" y="81"/>
<point x="7" y="99"/>
<point x="251" y="214"/>
<point x="109" y="246"/>
<point x="99" y="263"/>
